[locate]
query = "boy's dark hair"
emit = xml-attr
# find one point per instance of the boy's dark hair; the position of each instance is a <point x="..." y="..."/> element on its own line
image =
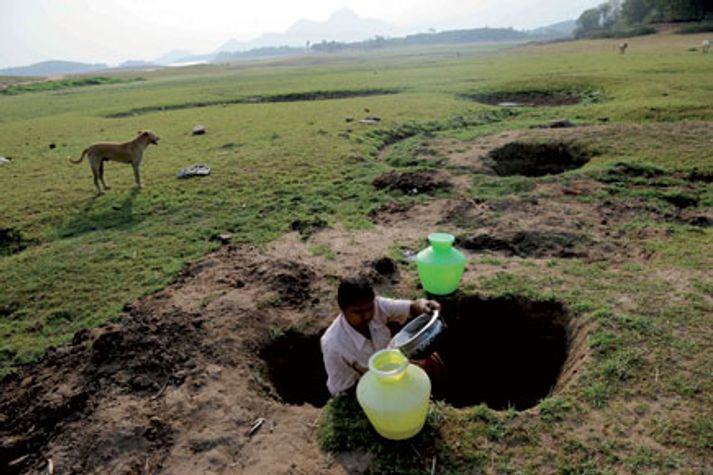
<point x="353" y="290"/>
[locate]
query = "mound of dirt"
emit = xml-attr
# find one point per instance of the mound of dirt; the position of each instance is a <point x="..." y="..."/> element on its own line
<point x="411" y="182"/>
<point x="681" y="200"/>
<point x="622" y="170"/>
<point x="40" y="403"/>
<point x="389" y="211"/>
<point x="381" y="270"/>
<point x="309" y="226"/>
<point x="291" y="280"/>
<point x="702" y="219"/>
<point x="177" y="374"/>
<point x="537" y="159"/>
<point x="532" y="243"/>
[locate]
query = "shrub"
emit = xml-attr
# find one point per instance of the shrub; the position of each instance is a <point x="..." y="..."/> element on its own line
<point x="696" y="28"/>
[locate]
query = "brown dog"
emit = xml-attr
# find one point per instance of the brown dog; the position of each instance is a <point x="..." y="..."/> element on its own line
<point x="125" y="152"/>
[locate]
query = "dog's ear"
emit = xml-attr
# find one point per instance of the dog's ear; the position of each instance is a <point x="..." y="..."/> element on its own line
<point x="144" y="134"/>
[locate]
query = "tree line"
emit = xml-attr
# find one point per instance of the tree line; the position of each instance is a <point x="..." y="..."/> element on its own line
<point x="474" y="35"/>
<point x="629" y="17"/>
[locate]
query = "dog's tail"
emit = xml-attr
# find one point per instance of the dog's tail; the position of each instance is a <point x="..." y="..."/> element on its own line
<point x="84" y="152"/>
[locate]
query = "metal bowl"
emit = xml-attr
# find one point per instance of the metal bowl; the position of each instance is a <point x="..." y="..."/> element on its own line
<point x="414" y="339"/>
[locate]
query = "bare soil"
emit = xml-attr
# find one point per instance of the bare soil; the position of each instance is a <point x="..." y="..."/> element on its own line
<point x="204" y="376"/>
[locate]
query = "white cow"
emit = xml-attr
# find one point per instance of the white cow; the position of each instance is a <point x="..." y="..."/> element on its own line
<point x="706" y="45"/>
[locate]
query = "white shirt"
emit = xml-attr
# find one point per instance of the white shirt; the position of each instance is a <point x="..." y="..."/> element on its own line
<point x="346" y="352"/>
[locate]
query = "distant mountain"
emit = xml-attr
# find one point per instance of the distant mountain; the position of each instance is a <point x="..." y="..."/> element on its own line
<point x="343" y="25"/>
<point x="172" y="56"/>
<point x="52" y="68"/>
<point x="343" y="29"/>
<point x="563" y="29"/>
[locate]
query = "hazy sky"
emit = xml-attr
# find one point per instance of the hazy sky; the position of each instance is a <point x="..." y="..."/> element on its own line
<point x="111" y="31"/>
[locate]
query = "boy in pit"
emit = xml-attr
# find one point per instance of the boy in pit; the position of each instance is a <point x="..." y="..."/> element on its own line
<point x="361" y="330"/>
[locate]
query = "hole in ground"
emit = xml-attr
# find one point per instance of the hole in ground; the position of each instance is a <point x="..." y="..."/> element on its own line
<point x="296" y="368"/>
<point x="288" y="97"/>
<point x="12" y="241"/>
<point x="527" y="98"/>
<point x="411" y="182"/>
<point x="537" y="159"/>
<point x="504" y="352"/>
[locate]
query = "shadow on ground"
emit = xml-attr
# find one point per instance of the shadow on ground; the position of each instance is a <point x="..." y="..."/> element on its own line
<point x="118" y="215"/>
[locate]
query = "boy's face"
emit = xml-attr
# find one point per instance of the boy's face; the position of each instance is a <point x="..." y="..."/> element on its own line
<point x="359" y="314"/>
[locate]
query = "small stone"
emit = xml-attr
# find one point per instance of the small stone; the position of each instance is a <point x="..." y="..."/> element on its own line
<point x="225" y="238"/>
<point x="409" y="255"/>
<point x="193" y="170"/>
<point x="214" y="371"/>
<point x="198" y="130"/>
<point x="349" y="118"/>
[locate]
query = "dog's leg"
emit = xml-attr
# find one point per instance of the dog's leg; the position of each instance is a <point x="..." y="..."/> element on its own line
<point x="95" y="172"/>
<point x="137" y="178"/>
<point x="101" y="175"/>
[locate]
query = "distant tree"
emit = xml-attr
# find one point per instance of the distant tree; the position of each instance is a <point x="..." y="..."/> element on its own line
<point x="682" y="10"/>
<point x="636" y="11"/>
<point x="609" y="13"/>
<point x="598" y="19"/>
<point x="328" y="46"/>
<point x="588" y="21"/>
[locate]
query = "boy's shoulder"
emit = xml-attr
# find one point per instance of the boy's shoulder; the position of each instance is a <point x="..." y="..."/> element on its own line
<point x="331" y="333"/>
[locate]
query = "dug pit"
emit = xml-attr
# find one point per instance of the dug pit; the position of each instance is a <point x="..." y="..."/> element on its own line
<point x="296" y="369"/>
<point x="534" y="159"/>
<point x="12" y="241"/>
<point x="411" y="182"/>
<point x="507" y="351"/>
<point x="527" y="98"/>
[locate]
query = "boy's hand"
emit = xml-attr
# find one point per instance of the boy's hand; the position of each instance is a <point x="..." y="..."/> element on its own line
<point x="424" y="306"/>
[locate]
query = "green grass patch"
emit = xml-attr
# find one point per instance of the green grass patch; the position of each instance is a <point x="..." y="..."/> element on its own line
<point x="56" y="85"/>
<point x="703" y="27"/>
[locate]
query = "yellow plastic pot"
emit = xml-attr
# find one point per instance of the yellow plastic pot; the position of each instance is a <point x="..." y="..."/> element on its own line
<point x="394" y="395"/>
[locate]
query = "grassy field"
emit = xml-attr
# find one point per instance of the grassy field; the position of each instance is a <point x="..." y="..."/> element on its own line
<point x="70" y="261"/>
